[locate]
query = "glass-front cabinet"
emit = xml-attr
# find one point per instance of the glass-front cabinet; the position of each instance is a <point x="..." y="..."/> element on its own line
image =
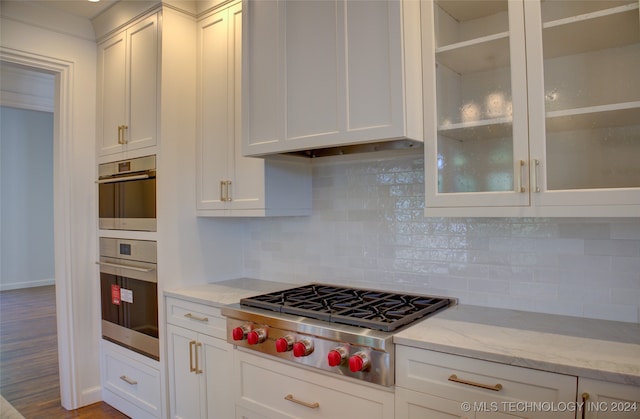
<point x="536" y="108"/>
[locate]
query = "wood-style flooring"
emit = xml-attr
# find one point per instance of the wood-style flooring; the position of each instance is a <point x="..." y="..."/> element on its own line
<point x="29" y="377"/>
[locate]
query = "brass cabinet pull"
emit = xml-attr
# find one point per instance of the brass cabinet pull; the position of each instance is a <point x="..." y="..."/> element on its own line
<point x="455" y="379"/>
<point x="222" y="196"/>
<point x="198" y="318"/>
<point x="520" y="187"/>
<point x="225" y="190"/>
<point x="585" y="397"/>
<point x="198" y="370"/>
<point x="300" y="402"/>
<point x="191" y="367"/>
<point x="121" y="137"/>
<point x="128" y="380"/>
<point x="535" y="167"/>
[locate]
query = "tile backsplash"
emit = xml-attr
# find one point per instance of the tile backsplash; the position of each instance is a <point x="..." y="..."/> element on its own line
<point x="368" y="229"/>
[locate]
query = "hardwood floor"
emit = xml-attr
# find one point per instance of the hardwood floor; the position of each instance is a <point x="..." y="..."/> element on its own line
<point x="29" y="377"/>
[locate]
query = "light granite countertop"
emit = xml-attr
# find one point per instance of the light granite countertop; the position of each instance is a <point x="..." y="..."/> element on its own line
<point x="598" y="349"/>
<point x="577" y="346"/>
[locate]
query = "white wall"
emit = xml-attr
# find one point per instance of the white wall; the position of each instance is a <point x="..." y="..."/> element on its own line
<point x="368" y="228"/>
<point x="26" y="252"/>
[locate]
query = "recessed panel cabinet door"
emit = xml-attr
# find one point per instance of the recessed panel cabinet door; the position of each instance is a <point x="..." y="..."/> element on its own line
<point x="186" y="402"/>
<point x="111" y="93"/>
<point x="314" y="81"/>
<point x="143" y="87"/>
<point x="215" y="121"/>
<point x="328" y="73"/>
<point x="128" y="89"/>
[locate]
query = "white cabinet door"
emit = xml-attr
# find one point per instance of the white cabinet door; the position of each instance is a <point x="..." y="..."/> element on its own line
<point x="217" y="363"/>
<point x="128" y="88"/>
<point x="186" y="386"/>
<point x="143" y="87"/>
<point x="216" y="98"/>
<point x="329" y="73"/>
<point x="475" y="104"/>
<point x="604" y="400"/>
<point x="111" y="94"/>
<point x="584" y="95"/>
<point x="532" y="108"/>
<point x="229" y="184"/>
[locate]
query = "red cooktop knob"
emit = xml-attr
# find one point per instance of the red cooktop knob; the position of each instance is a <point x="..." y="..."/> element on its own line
<point x="359" y="362"/>
<point x="302" y="348"/>
<point x="334" y="358"/>
<point x="256" y="336"/>
<point x="284" y="344"/>
<point x="239" y="333"/>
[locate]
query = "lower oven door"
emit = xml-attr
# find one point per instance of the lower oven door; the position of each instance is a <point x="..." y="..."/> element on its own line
<point x="130" y="307"/>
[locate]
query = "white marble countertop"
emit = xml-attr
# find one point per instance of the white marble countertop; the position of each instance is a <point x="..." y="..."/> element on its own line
<point x="598" y="349"/>
<point x="218" y="294"/>
<point x="590" y="348"/>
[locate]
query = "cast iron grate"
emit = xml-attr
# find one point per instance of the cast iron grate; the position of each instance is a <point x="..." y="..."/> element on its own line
<point x="379" y="310"/>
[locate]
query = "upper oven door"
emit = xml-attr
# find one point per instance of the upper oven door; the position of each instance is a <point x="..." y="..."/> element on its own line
<point x="127" y="195"/>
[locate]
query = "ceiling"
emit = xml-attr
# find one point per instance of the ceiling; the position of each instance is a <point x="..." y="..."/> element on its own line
<point x="82" y="8"/>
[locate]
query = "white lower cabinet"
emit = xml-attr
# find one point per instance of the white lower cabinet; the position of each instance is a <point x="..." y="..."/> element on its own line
<point x="605" y="400"/>
<point x="131" y="382"/>
<point x="436" y="385"/>
<point x="199" y="360"/>
<point x="268" y="389"/>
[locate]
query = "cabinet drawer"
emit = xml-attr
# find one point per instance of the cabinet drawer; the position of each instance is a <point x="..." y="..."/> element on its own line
<point x="279" y="390"/>
<point x="133" y="381"/>
<point x="466" y="379"/>
<point x="198" y="317"/>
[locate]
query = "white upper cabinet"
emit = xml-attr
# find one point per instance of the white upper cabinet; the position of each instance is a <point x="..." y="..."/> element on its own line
<point x="128" y="88"/>
<point x="229" y="184"/>
<point x="324" y="73"/>
<point x="542" y="121"/>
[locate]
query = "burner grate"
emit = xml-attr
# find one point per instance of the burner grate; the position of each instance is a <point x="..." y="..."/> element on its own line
<point x="379" y="310"/>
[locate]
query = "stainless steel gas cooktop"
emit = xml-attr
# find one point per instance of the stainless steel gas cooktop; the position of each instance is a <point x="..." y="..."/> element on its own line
<point x="342" y="330"/>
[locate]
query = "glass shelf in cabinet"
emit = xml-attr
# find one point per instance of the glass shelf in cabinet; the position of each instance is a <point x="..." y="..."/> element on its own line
<point x="593" y="117"/>
<point x="591" y="31"/>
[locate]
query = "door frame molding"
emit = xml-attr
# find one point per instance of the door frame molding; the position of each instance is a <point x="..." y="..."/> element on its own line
<point x="62" y="203"/>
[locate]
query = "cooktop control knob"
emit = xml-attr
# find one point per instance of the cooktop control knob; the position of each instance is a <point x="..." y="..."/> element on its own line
<point x="359" y="362"/>
<point x="257" y="336"/>
<point x="284" y="344"/>
<point x="240" y="333"/>
<point x="302" y="348"/>
<point x="336" y="356"/>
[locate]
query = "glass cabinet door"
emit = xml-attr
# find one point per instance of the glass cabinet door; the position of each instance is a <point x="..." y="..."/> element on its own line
<point x="476" y="138"/>
<point x="584" y="93"/>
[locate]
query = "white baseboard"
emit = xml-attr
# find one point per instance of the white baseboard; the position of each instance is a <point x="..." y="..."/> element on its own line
<point x="27" y="284"/>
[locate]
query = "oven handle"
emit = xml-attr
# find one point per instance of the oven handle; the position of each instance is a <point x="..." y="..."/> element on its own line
<point x="123" y="178"/>
<point x="133" y="268"/>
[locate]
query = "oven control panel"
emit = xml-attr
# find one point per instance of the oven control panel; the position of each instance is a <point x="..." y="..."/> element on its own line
<point x="347" y="359"/>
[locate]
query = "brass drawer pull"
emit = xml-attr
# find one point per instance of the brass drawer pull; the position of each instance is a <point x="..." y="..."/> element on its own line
<point x="455" y="379"/>
<point x="198" y="318"/>
<point x="128" y="380"/>
<point x="305" y="404"/>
